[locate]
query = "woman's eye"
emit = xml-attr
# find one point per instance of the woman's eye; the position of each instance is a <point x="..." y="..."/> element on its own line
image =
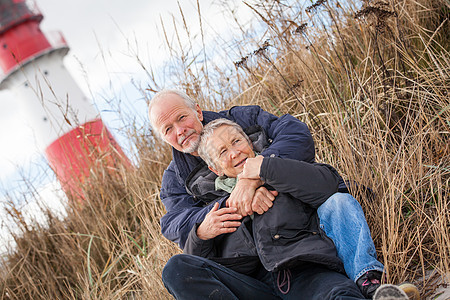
<point x="167" y="130"/>
<point x="182" y="117"/>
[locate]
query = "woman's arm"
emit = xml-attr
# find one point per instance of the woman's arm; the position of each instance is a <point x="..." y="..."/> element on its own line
<point x="312" y="183"/>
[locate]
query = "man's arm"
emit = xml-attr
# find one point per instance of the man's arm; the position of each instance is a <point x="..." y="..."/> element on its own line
<point x="290" y="137"/>
<point x="182" y="210"/>
<point x="201" y="238"/>
<point x="198" y="247"/>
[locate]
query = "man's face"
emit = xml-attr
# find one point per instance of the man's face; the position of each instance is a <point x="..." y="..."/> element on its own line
<point x="178" y="124"/>
<point x="229" y="149"/>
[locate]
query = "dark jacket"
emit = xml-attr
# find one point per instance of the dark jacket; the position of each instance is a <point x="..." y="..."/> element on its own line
<point x="285" y="236"/>
<point x="290" y="138"/>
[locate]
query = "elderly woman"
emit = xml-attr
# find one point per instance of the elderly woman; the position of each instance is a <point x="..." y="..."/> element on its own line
<point x="281" y="254"/>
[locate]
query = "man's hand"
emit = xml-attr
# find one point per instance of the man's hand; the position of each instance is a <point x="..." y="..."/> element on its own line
<point x="263" y="200"/>
<point x="242" y="195"/>
<point x="252" y="168"/>
<point x="218" y="221"/>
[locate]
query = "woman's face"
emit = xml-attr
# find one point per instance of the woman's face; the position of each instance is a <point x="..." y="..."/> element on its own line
<point x="229" y="149"/>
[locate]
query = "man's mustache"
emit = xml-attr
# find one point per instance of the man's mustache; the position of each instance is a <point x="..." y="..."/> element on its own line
<point x="182" y="138"/>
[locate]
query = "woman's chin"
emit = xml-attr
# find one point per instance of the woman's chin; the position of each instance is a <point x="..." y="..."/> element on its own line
<point x="237" y="171"/>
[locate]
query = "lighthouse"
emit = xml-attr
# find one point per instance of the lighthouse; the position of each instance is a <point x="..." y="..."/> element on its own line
<point x="64" y="120"/>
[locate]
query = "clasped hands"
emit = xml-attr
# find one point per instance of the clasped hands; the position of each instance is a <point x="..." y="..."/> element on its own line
<point x="247" y="197"/>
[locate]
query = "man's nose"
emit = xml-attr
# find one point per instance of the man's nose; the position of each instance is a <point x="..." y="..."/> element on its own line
<point x="180" y="130"/>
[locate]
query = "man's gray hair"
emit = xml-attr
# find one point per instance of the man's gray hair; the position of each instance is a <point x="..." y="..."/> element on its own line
<point x="161" y="94"/>
<point x="204" y="148"/>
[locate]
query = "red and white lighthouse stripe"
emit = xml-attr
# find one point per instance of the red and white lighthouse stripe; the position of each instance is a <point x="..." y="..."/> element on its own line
<point x="65" y="121"/>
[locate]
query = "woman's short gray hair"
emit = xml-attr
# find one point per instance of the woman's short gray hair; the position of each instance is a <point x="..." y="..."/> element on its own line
<point x="204" y="148"/>
<point x="161" y="94"/>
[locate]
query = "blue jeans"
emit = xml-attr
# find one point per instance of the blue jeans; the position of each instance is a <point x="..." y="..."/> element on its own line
<point x="192" y="277"/>
<point x="343" y="220"/>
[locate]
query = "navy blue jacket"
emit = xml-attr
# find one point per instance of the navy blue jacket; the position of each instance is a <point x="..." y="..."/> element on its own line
<point x="289" y="137"/>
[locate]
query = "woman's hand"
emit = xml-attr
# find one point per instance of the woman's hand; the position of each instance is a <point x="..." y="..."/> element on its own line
<point x="252" y="168"/>
<point x="219" y="221"/>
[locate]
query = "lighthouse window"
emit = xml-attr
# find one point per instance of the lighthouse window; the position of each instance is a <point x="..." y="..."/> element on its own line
<point x="26" y="83"/>
<point x="45" y="72"/>
<point x="5" y="46"/>
<point x="45" y="119"/>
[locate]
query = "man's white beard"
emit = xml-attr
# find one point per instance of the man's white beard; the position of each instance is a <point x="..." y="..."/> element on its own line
<point x="193" y="147"/>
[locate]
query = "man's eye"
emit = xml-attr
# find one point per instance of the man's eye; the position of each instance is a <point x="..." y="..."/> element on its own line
<point x="182" y="117"/>
<point x="236" y="141"/>
<point x="222" y="152"/>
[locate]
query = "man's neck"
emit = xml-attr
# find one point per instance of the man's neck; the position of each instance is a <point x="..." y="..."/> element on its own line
<point x="195" y="153"/>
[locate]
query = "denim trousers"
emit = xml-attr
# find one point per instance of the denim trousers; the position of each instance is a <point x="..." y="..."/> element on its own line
<point x="343" y="220"/>
<point x="192" y="277"/>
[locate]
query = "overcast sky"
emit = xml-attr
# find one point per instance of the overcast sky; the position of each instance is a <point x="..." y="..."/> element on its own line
<point x="104" y="36"/>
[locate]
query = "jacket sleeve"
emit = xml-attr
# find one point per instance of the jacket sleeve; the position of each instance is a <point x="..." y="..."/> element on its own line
<point x="290" y="137"/>
<point x="311" y="183"/>
<point x="196" y="246"/>
<point x="182" y="210"/>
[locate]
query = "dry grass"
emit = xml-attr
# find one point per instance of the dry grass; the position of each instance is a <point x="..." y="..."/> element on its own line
<point x="370" y="79"/>
<point x="108" y="248"/>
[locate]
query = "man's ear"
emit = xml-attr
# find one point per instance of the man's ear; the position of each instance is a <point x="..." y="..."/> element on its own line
<point x="199" y="112"/>
<point x="214" y="171"/>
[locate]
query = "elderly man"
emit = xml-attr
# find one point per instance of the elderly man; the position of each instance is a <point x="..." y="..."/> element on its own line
<point x="179" y="121"/>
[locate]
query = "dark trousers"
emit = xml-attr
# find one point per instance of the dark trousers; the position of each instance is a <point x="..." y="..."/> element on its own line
<point x="192" y="277"/>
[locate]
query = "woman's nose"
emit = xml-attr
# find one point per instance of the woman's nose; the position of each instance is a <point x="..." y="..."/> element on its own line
<point x="234" y="152"/>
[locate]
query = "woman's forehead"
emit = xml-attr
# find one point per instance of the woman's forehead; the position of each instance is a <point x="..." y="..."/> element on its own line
<point x="225" y="133"/>
<point x="223" y="136"/>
